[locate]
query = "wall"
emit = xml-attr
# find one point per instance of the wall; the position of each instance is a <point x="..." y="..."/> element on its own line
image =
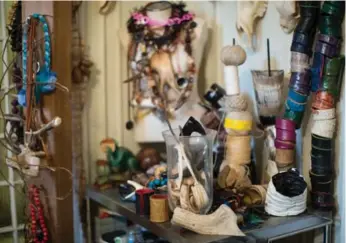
<point x="106" y="112"/>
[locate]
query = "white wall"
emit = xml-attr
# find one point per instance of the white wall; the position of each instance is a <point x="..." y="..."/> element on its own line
<point x="106" y="111"/>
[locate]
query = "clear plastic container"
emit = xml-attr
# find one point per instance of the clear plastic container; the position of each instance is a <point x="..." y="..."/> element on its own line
<point x="190" y="191"/>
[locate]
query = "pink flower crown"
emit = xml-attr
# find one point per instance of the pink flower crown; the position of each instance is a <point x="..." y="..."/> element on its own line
<point x="145" y="20"/>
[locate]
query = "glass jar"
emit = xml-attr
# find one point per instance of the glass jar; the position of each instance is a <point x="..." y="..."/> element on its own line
<point x="190" y="171"/>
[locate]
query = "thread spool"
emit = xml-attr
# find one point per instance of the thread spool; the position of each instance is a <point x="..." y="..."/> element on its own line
<point x="159" y="208"/>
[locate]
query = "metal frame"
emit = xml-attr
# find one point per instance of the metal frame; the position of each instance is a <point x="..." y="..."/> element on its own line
<point x="13" y="227"/>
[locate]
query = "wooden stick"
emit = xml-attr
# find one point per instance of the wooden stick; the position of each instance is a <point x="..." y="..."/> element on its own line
<point x="268" y="57"/>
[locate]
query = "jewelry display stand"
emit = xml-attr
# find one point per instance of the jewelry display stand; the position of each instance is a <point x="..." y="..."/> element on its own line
<point x="149" y="128"/>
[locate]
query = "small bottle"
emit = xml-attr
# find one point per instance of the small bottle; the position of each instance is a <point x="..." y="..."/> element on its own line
<point x="131" y="237"/>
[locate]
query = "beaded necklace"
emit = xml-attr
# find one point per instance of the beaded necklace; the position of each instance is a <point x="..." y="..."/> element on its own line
<point x="158" y="61"/>
<point x="39" y="230"/>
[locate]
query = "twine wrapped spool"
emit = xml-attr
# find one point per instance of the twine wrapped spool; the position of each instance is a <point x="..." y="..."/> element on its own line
<point x="238" y="150"/>
<point x="159" y="208"/>
<point x="284" y="157"/>
<point x="234" y="103"/>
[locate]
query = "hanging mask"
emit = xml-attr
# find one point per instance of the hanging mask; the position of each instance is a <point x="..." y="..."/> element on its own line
<point x="288" y="15"/>
<point x="247" y="14"/>
<point x="45" y="78"/>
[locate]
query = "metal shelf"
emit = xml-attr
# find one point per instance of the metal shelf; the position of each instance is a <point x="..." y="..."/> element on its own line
<point x="272" y="229"/>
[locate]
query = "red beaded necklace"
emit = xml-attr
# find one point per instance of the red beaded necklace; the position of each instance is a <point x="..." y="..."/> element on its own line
<point x="39" y="229"/>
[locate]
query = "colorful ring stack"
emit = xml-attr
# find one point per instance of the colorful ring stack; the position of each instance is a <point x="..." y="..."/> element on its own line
<point x="285" y="142"/>
<point x="301" y="51"/>
<point x="327" y="72"/>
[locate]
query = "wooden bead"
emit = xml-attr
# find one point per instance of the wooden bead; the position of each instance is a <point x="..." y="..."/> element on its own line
<point x="233" y="55"/>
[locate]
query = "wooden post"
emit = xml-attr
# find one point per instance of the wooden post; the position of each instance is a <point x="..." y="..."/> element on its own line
<point x="59" y="213"/>
<point x="60" y="105"/>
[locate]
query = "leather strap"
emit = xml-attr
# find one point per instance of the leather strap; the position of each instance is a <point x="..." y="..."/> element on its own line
<point x="284" y="144"/>
<point x="323" y="114"/>
<point x="329" y="39"/>
<point x="296" y="47"/>
<point x="285" y="135"/>
<point x="322" y="200"/>
<point x="317" y="169"/>
<point x="294" y="116"/>
<point x="299" y="62"/>
<point x="301" y="38"/>
<point x="309" y="4"/>
<point x="324" y="128"/>
<point x="300" y="78"/>
<point x="330" y="84"/>
<point x="321" y="152"/>
<point x="332" y="66"/>
<point x="326" y="49"/>
<point x="329" y="21"/>
<point x="285" y="124"/>
<point x="306" y="25"/>
<point x="331" y="31"/>
<point x="316" y="71"/>
<point x="295" y="106"/>
<point x="308" y="12"/>
<point x="297" y="97"/>
<point x="334" y="10"/>
<point x="323" y="100"/>
<point x="324" y="178"/>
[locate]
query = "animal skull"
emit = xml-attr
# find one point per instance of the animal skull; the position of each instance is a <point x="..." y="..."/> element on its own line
<point x="248" y="12"/>
<point x="288" y="14"/>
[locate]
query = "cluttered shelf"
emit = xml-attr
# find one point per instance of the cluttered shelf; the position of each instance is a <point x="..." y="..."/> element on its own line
<point x="273" y="228"/>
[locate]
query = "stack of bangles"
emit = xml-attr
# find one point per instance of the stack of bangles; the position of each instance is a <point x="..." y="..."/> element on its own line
<point x="327" y="72"/>
<point x="301" y="51"/>
<point x="285" y="142"/>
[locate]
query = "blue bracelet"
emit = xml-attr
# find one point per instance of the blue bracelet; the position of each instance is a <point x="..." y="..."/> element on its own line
<point x="316" y="71"/>
<point x="297" y="97"/>
<point x="45" y="78"/>
<point x="292" y="105"/>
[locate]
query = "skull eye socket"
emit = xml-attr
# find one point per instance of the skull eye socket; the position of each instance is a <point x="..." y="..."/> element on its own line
<point x="182" y="83"/>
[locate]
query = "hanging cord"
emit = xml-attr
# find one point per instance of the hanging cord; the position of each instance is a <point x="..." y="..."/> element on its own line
<point x="30" y="75"/>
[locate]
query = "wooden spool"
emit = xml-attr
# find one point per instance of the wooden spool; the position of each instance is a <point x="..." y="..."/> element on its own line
<point x="159" y="208"/>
